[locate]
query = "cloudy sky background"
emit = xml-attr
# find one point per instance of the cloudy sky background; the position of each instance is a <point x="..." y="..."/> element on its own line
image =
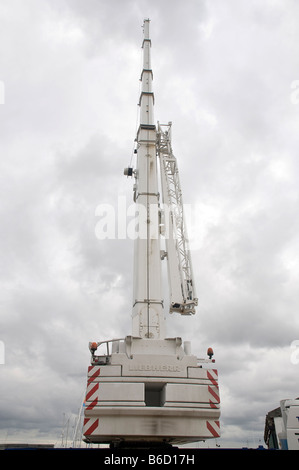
<point x="225" y="74"/>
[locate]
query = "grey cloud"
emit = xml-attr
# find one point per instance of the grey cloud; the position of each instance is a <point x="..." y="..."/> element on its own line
<point x="222" y="74"/>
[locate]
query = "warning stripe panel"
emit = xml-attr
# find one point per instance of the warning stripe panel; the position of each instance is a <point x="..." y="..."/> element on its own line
<point x="212" y="375"/>
<point x="214" y="428"/>
<point x="93" y="373"/>
<point x="92" y="404"/>
<point x="214" y="394"/>
<point x="90" y="426"/>
<point x="91" y="390"/>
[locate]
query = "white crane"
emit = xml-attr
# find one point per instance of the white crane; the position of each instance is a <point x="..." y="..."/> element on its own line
<point x="146" y="387"/>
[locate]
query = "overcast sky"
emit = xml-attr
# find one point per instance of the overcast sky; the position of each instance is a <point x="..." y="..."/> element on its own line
<point x="225" y="74"/>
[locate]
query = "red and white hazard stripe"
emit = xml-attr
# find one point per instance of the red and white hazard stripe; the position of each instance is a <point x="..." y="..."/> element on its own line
<point x="90" y="426"/>
<point x="91" y="391"/>
<point x="213" y="389"/>
<point x="212" y="375"/>
<point x="92" y="395"/>
<point x="214" y="428"/>
<point x="93" y="373"/>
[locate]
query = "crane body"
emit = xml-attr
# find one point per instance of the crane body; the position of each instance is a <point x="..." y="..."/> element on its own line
<point x="146" y="387"/>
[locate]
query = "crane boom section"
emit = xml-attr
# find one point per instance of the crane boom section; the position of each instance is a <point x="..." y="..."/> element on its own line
<point x="181" y="283"/>
<point x="147" y="315"/>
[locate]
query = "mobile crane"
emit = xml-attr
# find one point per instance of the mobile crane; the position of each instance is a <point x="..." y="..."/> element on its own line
<point x="147" y="388"/>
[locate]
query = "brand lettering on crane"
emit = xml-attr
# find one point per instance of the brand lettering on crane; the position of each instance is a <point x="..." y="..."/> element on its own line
<point x="155" y="367"/>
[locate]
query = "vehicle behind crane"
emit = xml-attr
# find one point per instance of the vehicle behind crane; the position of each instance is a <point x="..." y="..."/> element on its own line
<point x="282" y="426"/>
<point x="146" y="387"/>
